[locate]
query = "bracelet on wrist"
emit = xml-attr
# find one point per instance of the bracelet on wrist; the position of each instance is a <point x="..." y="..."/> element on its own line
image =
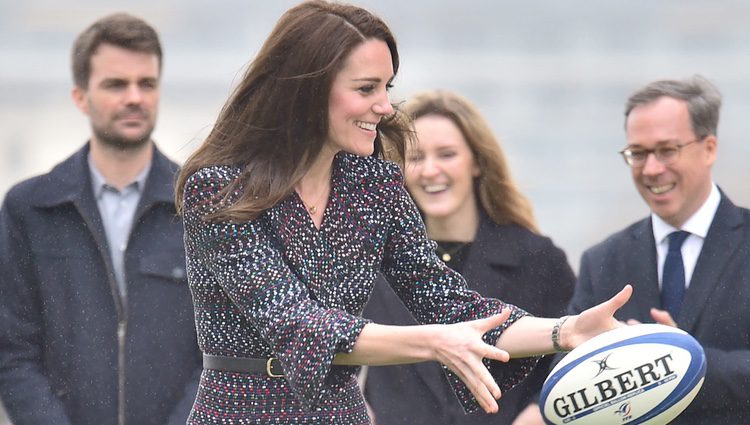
<point x="556" y="335"/>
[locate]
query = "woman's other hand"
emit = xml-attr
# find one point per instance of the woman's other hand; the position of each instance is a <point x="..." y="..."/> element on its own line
<point x="593" y="321"/>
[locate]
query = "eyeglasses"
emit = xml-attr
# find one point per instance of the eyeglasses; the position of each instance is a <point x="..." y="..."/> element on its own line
<point x="668" y="154"/>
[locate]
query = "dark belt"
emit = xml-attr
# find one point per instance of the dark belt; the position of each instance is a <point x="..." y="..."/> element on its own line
<point x="270" y="366"/>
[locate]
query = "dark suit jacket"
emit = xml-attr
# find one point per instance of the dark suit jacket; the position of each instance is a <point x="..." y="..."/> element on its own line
<point x="506" y="262"/>
<point x="716" y="309"/>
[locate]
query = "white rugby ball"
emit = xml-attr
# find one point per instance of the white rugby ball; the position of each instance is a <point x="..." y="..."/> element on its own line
<point x="639" y="374"/>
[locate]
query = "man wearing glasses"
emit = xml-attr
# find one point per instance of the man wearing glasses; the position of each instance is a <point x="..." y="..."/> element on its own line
<point x="689" y="262"/>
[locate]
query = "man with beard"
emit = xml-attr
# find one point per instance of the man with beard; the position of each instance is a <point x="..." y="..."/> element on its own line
<point x="96" y="319"/>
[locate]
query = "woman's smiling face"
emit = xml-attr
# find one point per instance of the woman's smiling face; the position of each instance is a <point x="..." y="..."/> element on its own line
<point x="359" y="98"/>
<point x="440" y="169"/>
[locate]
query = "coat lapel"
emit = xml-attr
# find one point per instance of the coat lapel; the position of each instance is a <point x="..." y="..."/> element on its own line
<point x="71" y="184"/>
<point x="723" y="239"/>
<point x="640" y="267"/>
<point x="159" y="187"/>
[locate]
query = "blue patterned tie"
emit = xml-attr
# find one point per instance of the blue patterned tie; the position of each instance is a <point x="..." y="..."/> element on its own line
<point x="673" y="276"/>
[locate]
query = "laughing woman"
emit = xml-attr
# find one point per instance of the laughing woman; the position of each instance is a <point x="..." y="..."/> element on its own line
<point x="289" y="216"/>
<point x="484" y="228"/>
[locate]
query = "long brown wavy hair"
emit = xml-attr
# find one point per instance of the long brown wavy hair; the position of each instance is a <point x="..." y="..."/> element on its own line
<point x="275" y="123"/>
<point x="498" y="193"/>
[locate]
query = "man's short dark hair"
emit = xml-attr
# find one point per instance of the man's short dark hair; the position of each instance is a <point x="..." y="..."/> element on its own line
<point x="121" y="30"/>
<point x="702" y="97"/>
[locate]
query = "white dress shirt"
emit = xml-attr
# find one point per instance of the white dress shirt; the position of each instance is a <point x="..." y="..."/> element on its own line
<point x="698" y="225"/>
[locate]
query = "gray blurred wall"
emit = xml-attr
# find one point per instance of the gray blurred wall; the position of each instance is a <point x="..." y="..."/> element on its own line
<point x="551" y="77"/>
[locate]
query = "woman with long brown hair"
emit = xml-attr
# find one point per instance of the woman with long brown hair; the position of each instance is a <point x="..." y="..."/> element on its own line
<point x="484" y="228"/>
<point x="290" y="214"/>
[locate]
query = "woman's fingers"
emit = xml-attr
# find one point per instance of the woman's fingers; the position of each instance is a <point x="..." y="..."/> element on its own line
<point x="484" y="397"/>
<point x="493" y="321"/>
<point x="619" y="299"/>
<point x="481" y="384"/>
<point x="599" y="318"/>
<point x="495" y="353"/>
<point x="484" y="388"/>
<point x="465" y="356"/>
<point x="607" y="309"/>
<point x="616" y="302"/>
<point x="489" y="403"/>
<point x="623" y="296"/>
<point x="486" y="378"/>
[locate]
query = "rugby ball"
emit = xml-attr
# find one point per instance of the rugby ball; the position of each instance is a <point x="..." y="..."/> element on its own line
<point x="639" y="374"/>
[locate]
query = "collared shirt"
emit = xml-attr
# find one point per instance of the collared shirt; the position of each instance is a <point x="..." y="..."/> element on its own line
<point x="117" y="209"/>
<point x="698" y="225"/>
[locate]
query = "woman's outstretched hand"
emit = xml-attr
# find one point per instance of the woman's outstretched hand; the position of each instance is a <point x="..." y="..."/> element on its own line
<point x="595" y="320"/>
<point x="460" y="347"/>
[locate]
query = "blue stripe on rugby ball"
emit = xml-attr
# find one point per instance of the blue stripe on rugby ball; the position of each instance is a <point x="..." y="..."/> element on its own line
<point x="695" y="372"/>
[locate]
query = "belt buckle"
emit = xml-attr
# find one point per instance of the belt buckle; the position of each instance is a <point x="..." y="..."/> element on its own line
<point x="270" y="366"/>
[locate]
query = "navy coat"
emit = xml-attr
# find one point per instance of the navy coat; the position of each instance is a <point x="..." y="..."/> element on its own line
<point x="504" y="261"/>
<point x="60" y="313"/>
<point x="715" y="309"/>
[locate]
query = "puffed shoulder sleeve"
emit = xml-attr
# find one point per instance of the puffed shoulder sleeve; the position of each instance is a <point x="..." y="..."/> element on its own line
<point x="244" y="261"/>
<point x="434" y="293"/>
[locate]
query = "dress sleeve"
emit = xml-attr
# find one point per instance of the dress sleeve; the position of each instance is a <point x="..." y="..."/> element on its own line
<point x="243" y="259"/>
<point x="436" y="294"/>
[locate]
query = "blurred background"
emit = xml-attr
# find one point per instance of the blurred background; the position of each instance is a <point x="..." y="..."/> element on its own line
<point x="550" y="76"/>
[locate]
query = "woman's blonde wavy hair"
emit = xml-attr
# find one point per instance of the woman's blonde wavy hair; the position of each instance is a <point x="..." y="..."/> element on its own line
<point x="498" y="193"/>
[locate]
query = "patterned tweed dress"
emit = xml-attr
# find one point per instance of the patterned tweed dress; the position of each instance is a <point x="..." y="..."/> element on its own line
<point x="279" y="287"/>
